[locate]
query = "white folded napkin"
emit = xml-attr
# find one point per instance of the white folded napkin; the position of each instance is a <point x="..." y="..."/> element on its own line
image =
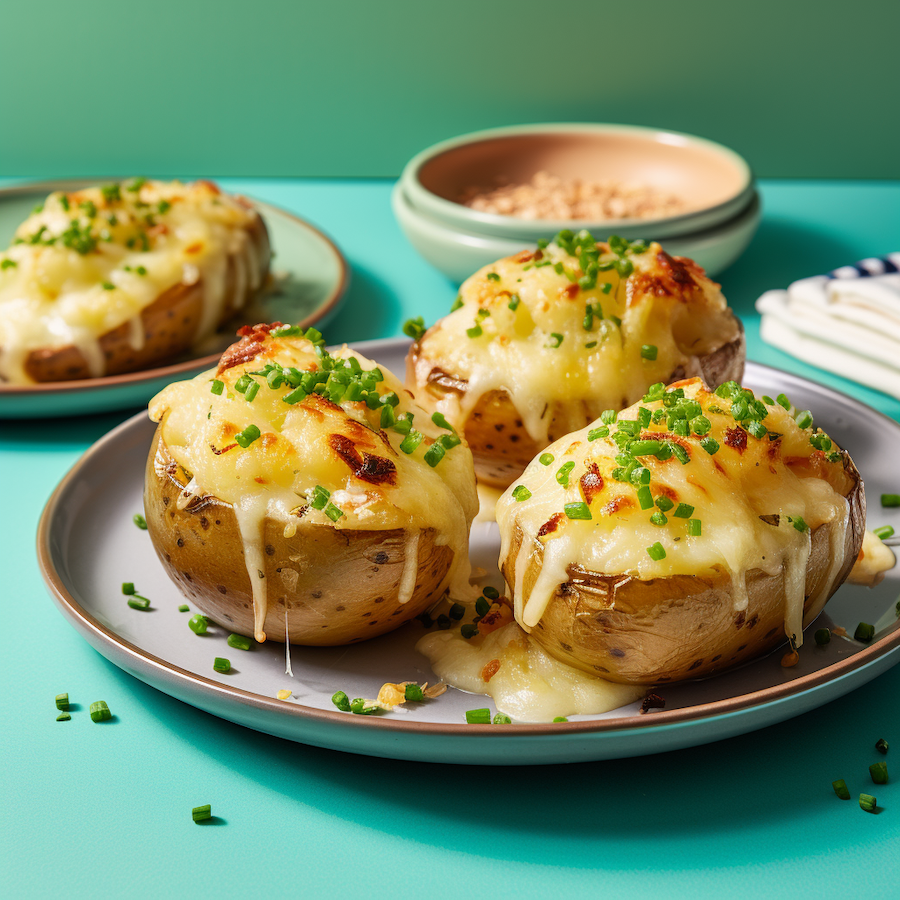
<point x="847" y="321"/>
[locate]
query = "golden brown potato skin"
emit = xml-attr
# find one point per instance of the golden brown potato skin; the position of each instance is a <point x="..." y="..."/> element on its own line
<point x="681" y="627"/>
<point x="339" y="586"/>
<point x="501" y="446"/>
<point x="170" y="325"/>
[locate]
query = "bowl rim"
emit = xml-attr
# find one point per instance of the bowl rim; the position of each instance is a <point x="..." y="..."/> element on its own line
<point x="495" y="224"/>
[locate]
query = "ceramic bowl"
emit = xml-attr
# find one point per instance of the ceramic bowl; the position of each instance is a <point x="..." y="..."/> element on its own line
<point x="716" y="181"/>
<point x="458" y="253"/>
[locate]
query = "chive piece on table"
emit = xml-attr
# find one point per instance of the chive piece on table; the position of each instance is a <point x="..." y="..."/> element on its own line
<point x="138" y="602"/>
<point x="478" y="716"/>
<point x="881" y="745"/>
<point x="501" y="719"/>
<point x="238" y="641"/>
<point x="341" y="701"/>
<point x="560" y="719"/>
<point x="63" y="717"/>
<point x="823" y="636"/>
<point x="864" y="632"/>
<point x="867" y="802"/>
<point x="220" y="664"/>
<point x="62" y="702"/>
<point x="184" y="608"/>
<point x="199" y="624"/>
<point x="201" y="813"/>
<point x="879" y="772"/>
<point x="890" y="500"/>
<point x="840" y="788"/>
<point x="884" y="532"/>
<point x="100" y="711"/>
<point x="140" y="521"/>
<point x="127" y="587"/>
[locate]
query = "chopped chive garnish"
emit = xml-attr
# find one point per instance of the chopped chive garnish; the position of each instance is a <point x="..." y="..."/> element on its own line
<point x="804" y="419"/>
<point x="468" y="630"/>
<point x="246" y="437"/>
<point x="411" y="441"/>
<point x="341" y="701"/>
<point x="695" y="527"/>
<point x="710" y="445"/>
<point x="440" y="420"/>
<point x="554" y="340"/>
<point x="457" y="303"/>
<point x="100" y="711"/>
<point x="560" y="719"/>
<point x="238" y="641"/>
<point x="680" y="453"/>
<point x="443" y="622"/>
<point x="491" y="593"/>
<point x="435" y="453"/>
<point x="683" y="511"/>
<point x="62" y="701"/>
<point x="649" y="351"/>
<point x="217" y="386"/>
<point x="521" y="493"/>
<point x="362" y="707"/>
<point x="220" y="664"/>
<point x="879" y="772"/>
<point x="562" y="473"/>
<point x="63" y="717"/>
<point x="501" y="719"/>
<point x="457" y="611"/>
<point x="514" y="302"/>
<point x="600" y="432"/>
<point x="890" y="500"/>
<point x="545" y="459"/>
<point x="656" y="552"/>
<point x="867" y="802"/>
<point x="884" y="532"/>
<point x="659" y="518"/>
<point x="475" y="331"/>
<point x="139" y="602"/>
<point x="319" y="497"/>
<point x="251" y="391"/>
<point x="800" y="524"/>
<point x="864" y="632"/>
<point x="482" y="606"/>
<point x="645" y="499"/>
<point x="783" y="401"/>
<point x="493" y="276"/>
<point x="881" y="745"/>
<point x="414" y="693"/>
<point x="822" y="636"/>
<point x="664" y="503"/>
<point x="127" y="587"/>
<point x="608" y="416"/>
<point x="414" y="328"/>
<point x="478" y="716"/>
<point x="840" y="788"/>
<point x="201" y="813"/>
<point x="243" y="383"/>
<point x="140" y="521"/>
<point x="199" y="624"/>
<point x="578" y="510"/>
<point x="184" y="608"/>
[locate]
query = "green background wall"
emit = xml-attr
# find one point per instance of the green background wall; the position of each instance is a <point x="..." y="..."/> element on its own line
<point x="303" y="88"/>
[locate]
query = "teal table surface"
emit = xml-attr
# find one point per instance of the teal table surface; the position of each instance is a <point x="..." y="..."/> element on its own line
<point x="105" y="811"/>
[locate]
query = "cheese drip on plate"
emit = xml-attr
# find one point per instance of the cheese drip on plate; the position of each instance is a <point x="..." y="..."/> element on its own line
<point x="687" y="482"/>
<point x="570" y="330"/>
<point x="318" y="457"/>
<point x="90" y="261"/>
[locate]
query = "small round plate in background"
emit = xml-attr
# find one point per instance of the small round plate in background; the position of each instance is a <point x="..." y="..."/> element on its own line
<point x="88" y="546"/>
<point x="310" y="275"/>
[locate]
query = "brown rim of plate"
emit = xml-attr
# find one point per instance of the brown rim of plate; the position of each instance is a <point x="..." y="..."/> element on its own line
<point x="173" y="370"/>
<point x="74" y="611"/>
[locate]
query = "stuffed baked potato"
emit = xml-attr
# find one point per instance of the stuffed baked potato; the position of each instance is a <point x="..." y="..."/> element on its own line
<point x="684" y="536"/>
<point x="537" y="345"/>
<point x="295" y="492"/>
<point x="124" y="277"/>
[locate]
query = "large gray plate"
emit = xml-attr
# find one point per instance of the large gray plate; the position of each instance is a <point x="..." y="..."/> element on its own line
<point x="88" y="547"/>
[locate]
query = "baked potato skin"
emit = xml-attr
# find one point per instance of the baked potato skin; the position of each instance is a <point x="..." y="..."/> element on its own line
<point x="337" y="586"/>
<point x="494" y="431"/>
<point x="170" y="325"/>
<point x="680" y="627"/>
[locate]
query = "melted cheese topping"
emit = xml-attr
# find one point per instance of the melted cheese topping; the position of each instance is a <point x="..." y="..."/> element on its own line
<point x="538" y="342"/>
<point x="315" y="443"/>
<point x="747" y="496"/>
<point x="92" y="260"/>
<point x="526" y="683"/>
<point x="875" y="559"/>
